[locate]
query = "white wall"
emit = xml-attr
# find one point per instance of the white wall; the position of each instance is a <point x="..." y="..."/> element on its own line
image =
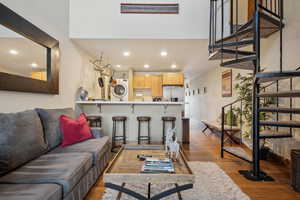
<point x="207" y="106"/>
<point x="102" y="19"/>
<point x="51" y="17"/>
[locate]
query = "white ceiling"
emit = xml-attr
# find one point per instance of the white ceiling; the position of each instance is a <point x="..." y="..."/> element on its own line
<point x="190" y="56"/>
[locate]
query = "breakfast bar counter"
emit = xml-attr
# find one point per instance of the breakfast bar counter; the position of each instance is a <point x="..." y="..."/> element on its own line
<point x="132" y="110"/>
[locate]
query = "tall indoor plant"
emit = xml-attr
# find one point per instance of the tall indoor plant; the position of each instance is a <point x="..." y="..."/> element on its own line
<point x="243" y="88"/>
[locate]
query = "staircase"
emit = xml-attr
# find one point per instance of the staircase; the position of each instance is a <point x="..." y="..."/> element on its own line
<point x="240" y="49"/>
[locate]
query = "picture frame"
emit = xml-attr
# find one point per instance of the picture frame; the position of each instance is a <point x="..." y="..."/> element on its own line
<point x="11" y="82"/>
<point x="227" y="83"/>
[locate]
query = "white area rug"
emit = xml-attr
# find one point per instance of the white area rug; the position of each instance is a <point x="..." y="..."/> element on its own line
<point x="212" y="183"/>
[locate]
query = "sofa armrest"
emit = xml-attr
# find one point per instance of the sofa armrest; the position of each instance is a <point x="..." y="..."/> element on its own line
<point x="97" y="132"/>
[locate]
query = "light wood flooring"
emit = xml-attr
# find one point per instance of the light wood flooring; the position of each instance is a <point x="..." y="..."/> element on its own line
<point x="207" y="148"/>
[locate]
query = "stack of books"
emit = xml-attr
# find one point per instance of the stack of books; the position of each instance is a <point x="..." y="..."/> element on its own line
<point x="154" y="165"/>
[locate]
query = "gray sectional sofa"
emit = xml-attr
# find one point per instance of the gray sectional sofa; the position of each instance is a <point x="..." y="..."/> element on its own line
<point x="33" y="166"/>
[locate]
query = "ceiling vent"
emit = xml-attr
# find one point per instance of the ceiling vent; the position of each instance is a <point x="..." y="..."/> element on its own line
<point x="131" y="8"/>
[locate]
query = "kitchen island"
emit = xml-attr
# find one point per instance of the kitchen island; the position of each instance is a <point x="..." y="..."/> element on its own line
<point x="131" y="109"/>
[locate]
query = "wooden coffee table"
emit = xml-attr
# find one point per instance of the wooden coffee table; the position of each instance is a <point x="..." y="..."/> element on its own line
<point x="125" y="168"/>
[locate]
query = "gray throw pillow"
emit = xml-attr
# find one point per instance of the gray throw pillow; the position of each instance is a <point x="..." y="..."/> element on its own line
<point x="21" y="139"/>
<point x="51" y="124"/>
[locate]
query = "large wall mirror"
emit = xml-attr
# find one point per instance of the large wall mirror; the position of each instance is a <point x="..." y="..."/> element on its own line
<point x="29" y="57"/>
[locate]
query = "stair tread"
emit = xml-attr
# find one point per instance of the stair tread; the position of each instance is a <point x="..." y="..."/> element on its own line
<point x="241" y="63"/>
<point x="238" y="36"/>
<point x="239" y="152"/>
<point x="233" y="45"/>
<point x="229" y="54"/>
<point x="263" y="77"/>
<point x="274" y="134"/>
<point x="280" y="109"/>
<point x="292" y="93"/>
<point x="292" y="124"/>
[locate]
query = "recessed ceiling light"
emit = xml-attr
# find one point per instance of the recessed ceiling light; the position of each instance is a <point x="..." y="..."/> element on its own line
<point x="34" y="65"/>
<point x="146" y="66"/>
<point x="126" y="53"/>
<point x="13" y="52"/>
<point x="163" y="53"/>
<point x="118" y="66"/>
<point x="173" y="66"/>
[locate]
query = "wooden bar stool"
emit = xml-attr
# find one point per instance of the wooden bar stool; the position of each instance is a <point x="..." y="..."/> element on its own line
<point x="116" y="137"/>
<point x="94" y="121"/>
<point x="165" y="120"/>
<point x="140" y="137"/>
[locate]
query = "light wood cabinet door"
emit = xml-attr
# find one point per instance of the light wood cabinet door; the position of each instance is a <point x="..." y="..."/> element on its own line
<point x="156" y="86"/>
<point x="176" y="79"/>
<point x="139" y="81"/>
<point x="148" y="81"/>
<point x="39" y="76"/>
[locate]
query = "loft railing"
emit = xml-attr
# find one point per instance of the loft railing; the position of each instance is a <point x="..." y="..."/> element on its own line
<point x="227" y="17"/>
<point x="272" y="6"/>
<point x="219" y="22"/>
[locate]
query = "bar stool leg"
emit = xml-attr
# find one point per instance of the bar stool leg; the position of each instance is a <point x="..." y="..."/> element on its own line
<point x="124" y="133"/>
<point x="148" y="132"/>
<point x="173" y="124"/>
<point x="139" y="133"/>
<point x="114" y="135"/>
<point x="163" y="139"/>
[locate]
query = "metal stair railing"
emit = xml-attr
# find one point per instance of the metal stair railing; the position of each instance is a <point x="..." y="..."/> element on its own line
<point x="231" y="106"/>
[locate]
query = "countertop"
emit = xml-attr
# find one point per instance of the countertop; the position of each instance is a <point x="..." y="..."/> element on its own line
<point x="129" y="102"/>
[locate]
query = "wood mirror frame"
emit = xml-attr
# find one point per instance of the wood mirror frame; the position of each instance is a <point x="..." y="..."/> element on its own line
<point x="18" y="24"/>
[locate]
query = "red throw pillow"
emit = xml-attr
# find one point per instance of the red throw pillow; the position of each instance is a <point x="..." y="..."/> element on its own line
<point x="74" y="131"/>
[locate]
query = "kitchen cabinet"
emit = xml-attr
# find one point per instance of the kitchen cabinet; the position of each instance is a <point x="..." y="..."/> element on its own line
<point x="39" y="76"/>
<point x="176" y="79"/>
<point x="148" y="81"/>
<point x="138" y="81"/>
<point x="156" y="85"/>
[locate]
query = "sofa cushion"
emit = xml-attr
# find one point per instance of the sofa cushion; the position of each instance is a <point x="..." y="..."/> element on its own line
<point x="51" y="125"/>
<point x="74" y="131"/>
<point x="30" y="191"/>
<point x="21" y="139"/>
<point x="94" y="146"/>
<point x="65" y="169"/>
